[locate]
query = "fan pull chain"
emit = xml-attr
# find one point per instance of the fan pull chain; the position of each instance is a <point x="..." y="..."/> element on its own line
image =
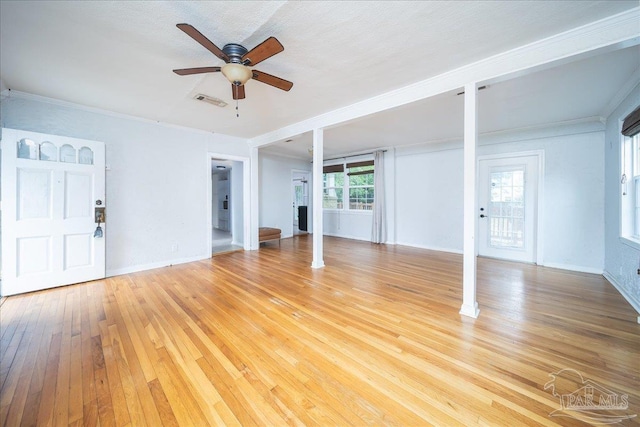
<point x="237" y="112"/>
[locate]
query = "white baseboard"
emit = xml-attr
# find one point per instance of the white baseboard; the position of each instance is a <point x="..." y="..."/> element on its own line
<point x="431" y="248"/>
<point x="348" y="236"/>
<point x="570" y="267"/>
<point x="623" y="291"/>
<point x="152" y="265"/>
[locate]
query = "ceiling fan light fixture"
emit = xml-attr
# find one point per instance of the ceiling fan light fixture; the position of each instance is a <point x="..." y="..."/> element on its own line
<point x="237" y="74"/>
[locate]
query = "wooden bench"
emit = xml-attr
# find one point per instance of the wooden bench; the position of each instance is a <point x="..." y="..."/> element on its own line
<point x="266" y="234"/>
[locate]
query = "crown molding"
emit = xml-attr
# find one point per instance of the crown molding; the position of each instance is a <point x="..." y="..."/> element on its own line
<point x="549" y="130"/>
<point x="9" y="94"/>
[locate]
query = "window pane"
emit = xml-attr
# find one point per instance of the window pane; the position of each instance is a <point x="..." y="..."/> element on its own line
<point x="85" y="156"/>
<point x="335" y="179"/>
<point x="361" y="198"/>
<point x="507" y="209"/>
<point x="27" y="149"/>
<point x="67" y="154"/>
<point x="48" y="151"/>
<point x="356" y="180"/>
<point x="332" y="192"/>
<point x="332" y="198"/>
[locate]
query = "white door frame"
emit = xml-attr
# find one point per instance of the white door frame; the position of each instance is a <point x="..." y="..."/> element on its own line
<point x="539" y="226"/>
<point x="307" y="175"/>
<point x="246" y="198"/>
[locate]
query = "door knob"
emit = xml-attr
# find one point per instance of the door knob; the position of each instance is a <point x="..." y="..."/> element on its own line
<point x="483" y="216"/>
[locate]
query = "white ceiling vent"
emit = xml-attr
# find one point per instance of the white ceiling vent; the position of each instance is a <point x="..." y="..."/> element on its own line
<point x="210" y="99"/>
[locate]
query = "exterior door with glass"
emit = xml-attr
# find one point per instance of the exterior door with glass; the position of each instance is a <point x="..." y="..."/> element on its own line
<point x="300" y="198"/>
<point x="507" y="200"/>
<point x="53" y="189"/>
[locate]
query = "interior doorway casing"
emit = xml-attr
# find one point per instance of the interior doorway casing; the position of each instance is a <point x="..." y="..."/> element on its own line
<point x="539" y="196"/>
<point x="303" y="177"/>
<point x="246" y="197"/>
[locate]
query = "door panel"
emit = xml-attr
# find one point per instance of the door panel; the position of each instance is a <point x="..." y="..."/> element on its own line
<point x="50" y="187"/>
<point x="77" y="196"/>
<point x="78" y="250"/>
<point x="34" y="194"/>
<point x="507" y="198"/>
<point x="34" y="255"/>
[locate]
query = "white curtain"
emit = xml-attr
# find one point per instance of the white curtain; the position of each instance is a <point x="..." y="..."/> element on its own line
<point x="379" y="228"/>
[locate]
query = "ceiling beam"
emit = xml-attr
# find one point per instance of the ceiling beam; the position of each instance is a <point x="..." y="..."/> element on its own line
<point x="621" y="30"/>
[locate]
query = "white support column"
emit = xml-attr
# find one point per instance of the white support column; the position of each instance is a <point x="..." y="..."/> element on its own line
<point x="255" y="190"/>
<point x="318" y="143"/>
<point x="469" y="303"/>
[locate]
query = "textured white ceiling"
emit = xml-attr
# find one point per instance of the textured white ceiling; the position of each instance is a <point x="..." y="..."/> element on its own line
<point x="118" y="55"/>
<point x="574" y="91"/>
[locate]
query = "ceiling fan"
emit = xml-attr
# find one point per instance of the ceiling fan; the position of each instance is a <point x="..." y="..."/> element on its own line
<point x="238" y="60"/>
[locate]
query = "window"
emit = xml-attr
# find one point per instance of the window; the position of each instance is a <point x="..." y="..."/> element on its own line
<point x="353" y="189"/>
<point x="630" y="177"/>
<point x="507" y="208"/>
<point x="630" y="183"/>
<point x="333" y="187"/>
<point x="361" y="185"/>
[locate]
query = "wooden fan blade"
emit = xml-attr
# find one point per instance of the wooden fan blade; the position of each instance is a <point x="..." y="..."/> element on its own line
<point x="208" y="44"/>
<point x="199" y="70"/>
<point x="272" y="80"/>
<point x="238" y="91"/>
<point x="264" y="50"/>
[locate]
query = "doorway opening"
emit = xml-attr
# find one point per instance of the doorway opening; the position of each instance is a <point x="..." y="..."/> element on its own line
<point x="509" y="206"/>
<point x="300" y="187"/>
<point x="226" y="205"/>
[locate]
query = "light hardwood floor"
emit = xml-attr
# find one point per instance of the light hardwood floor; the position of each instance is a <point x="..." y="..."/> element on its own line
<point x="259" y="338"/>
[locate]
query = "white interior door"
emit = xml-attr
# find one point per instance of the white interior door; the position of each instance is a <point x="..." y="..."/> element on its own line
<point x="50" y="187"/>
<point x="507" y="199"/>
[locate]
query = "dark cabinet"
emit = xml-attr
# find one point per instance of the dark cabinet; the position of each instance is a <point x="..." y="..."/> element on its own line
<point x="302" y="218"/>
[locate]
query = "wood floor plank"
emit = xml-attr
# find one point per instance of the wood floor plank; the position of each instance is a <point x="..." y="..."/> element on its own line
<point x="259" y="338"/>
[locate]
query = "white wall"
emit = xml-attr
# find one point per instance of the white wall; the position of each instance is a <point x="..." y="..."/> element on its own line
<point x="157" y="185"/>
<point x="573" y="215"/>
<point x="429" y="199"/>
<point x="429" y="195"/>
<point x="621" y="260"/>
<point x="348" y="224"/>
<point x="276" y="192"/>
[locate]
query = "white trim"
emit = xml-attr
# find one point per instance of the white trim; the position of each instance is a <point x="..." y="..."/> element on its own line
<point x="254" y="206"/>
<point x="158" y="264"/>
<point x="635" y="244"/>
<point x="347" y="211"/>
<point x="429" y="248"/>
<point x="569" y="267"/>
<point x="470" y="202"/>
<point x="620" y="29"/>
<point x="611" y="279"/>
<point x="246" y="199"/>
<point x="470" y="310"/>
<point x="318" y="214"/>
<point x="549" y="130"/>
<point x="348" y="236"/>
